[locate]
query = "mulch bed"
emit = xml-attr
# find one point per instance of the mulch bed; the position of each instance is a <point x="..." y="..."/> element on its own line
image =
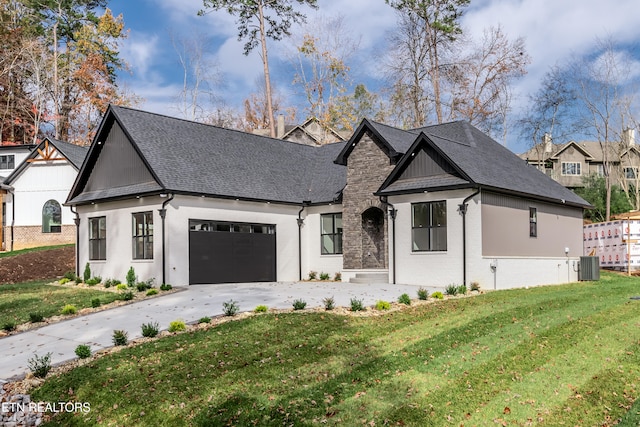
<point x="37" y="265"/>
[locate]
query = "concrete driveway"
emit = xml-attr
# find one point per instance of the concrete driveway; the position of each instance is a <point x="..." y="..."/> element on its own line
<point x="190" y="304"/>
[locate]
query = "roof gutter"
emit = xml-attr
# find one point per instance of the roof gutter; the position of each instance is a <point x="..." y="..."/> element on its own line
<point x="463" y="211"/>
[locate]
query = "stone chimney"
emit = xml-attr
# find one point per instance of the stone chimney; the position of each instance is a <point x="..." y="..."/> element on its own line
<point x="547" y="142"/>
<point x="629" y="137"/>
<point x="280" y="126"/>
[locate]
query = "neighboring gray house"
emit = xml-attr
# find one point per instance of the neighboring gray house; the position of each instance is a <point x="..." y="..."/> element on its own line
<point x="189" y="203"/>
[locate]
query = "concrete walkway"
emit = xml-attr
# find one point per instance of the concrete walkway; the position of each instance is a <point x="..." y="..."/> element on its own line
<point x="190" y="304"/>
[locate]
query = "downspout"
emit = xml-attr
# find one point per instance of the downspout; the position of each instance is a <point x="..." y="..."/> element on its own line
<point x="13" y="215"/>
<point x="463" y="211"/>
<point x="392" y="214"/>
<point x="163" y="214"/>
<point x="300" y="224"/>
<point x="76" y="221"/>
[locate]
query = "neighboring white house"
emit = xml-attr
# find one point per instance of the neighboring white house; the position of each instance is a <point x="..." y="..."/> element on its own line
<point x="35" y="193"/>
<point x="10" y="157"/>
<point x="189" y="203"/>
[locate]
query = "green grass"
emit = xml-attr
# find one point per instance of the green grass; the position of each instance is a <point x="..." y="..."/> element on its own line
<point x="19" y="300"/>
<point x="562" y="355"/>
<point x="24" y="251"/>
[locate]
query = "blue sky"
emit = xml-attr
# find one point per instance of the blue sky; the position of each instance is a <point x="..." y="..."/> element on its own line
<point x="553" y="30"/>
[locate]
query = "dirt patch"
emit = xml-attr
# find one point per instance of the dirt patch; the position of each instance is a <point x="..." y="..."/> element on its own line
<point x="37" y="265"/>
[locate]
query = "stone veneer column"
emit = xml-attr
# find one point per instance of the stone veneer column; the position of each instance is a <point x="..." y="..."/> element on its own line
<point x="367" y="168"/>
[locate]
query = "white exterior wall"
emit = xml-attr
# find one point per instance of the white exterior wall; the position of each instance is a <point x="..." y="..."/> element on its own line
<point x="19" y="154"/>
<point x="313" y="260"/>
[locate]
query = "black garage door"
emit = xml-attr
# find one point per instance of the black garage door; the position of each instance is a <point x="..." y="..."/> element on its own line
<point x="231" y="252"/>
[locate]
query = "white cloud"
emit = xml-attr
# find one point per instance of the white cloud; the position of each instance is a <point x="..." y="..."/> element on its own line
<point x="139" y="50"/>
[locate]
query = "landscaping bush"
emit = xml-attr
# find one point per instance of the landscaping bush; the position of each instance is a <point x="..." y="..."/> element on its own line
<point x="205" y="319"/>
<point x="121" y="286"/>
<point x="93" y="281"/>
<point x="64" y="281"/>
<point x="404" y="299"/>
<point x="230" y="308"/>
<point x="313" y="275"/>
<point x="87" y="272"/>
<point x="35" y="317"/>
<point x="337" y="277"/>
<point x="83" y="351"/>
<point x="70" y="276"/>
<point x="95" y="303"/>
<point x="324" y="276"/>
<point x="111" y="282"/>
<point x="423" y="294"/>
<point x="261" y="309"/>
<point x="177" y="326"/>
<point x="165" y="287"/>
<point x="475" y="286"/>
<point x="152" y="292"/>
<point x="131" y="277"/>
<point x="9" y="326"/>
<point x="329" y="303"/>
<point x="356" y="304"/>
<point x="150" y="330"/>
<point x="383" y="305"/>
<point x="142" y="286"/>
<point x="120" y="337"/>
<point x="40" y="365"/>
<point x="462" y="290"/>
<point x="299" y="304"/>
<point x="451" y="290"/>
<point x="437" y="295"/>
<point x="69" y="309"/>
<point x="126" y="296"/>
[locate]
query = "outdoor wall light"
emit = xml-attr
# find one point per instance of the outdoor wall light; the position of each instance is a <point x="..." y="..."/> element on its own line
<point x="566" y="251"/>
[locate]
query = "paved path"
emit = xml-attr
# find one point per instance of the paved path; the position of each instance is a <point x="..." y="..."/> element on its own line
<point x="189" y="304"/>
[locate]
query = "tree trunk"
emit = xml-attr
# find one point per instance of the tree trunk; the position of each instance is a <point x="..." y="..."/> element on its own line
<point x="267" y="78"/>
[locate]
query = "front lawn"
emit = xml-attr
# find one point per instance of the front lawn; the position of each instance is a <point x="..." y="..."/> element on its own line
<point x="19" y="300"/>
<point x="561" y="355"/>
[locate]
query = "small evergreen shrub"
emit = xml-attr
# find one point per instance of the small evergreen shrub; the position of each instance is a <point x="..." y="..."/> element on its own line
<point x="313" y="275"/>
<point x="150" y="330"/>
<point x="70" y="276"/>
<point x="152" y="292"/>
<point x="177" y="326"/>
<point x="337" y="277"/>
<point x="329" y="303"/>
<point x="35" y="317"/>
<point x="9" y="326"/>
<point x="324" y="276"/>
<point x="205" y="319"/>
<point x="83" y="351"/>
<point x="95" y="303"/>
<point x="121" y="286"/>
<point x="120" y="337"/>
<point x="230" y="308"/>
<point x="142" y="286"/>
<point x="462" y="290"/>
<point x="111" y="282"/>
<point x="299" y="304"/>
<point x="87" y="272"/>
<point x="126" y="296"/>
<point x="423" y="294"/>
<point x="131" y="277"/>
<point x="404" y="299"/>
<point x="451" y="290"/>
<point x="40" y="365"/>
<point x="356" y="304"/>
<point x="437" y="295"/>
<point x="92" y="282"/>
<point x="64" y="281"/>
<point x="69" y="309"/>
<point x="383" y="305"/>
<point x="475" y="286"/>
<point x="261" y="309"/>
<point x="165" y="287"/>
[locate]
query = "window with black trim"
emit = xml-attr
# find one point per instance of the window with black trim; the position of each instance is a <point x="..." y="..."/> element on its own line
<point x="331" y="233"/>
<point x="51" y="217"/>
<point x="8" y="161"/>
<point x="98" y="238"/>
<point x="533" y="222"/>
<point x="143" y="235"/>
<point x="429" y="226"/>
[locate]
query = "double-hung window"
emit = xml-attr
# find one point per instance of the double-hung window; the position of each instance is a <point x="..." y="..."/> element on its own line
<point x="7" y="161"/>
<point x="429" y="226"/>
<point x="143" y="235"/>
<point x="571" y="168"/>
<point x="98" y="238"/>
<point x="331" y="233"/>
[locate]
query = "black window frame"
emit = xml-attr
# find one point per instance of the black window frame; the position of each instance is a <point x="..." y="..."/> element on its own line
<point x="98" y="243"/>
<point x="335" y="234"/>
<point x="533" y="222"/>
<point x="7" y="161"/>
<point x="429" y="228"/>
<point x="142" y="241"/>
<point x="52" y="222"/>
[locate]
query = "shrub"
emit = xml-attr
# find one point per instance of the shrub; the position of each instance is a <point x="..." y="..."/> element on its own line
<point x="475" y="286"/>
<point x="404" y="299"/>
<point x="142" y="286"/>
<point x="96" y="302"/>
<point x="111" y="282"/>
<point x="152" y="292"/>
<point x="9" y="326"/>
<point x="131" y="277"/>
<point x="121" y="286"/>
<point x="205" y="319"/>
<point x="462" y="289"/>
<point x="423" y="294"/>
<point x="165" y="287"/>
<point x="324" y="276"/>
<point x="261" y="309"/>
<point x="92" y="282"/>
<point x="313" y="275"/>
<point x="36" y="317"/>
<point x="337" y="277"/>
<point x="83" y="351"/>
<point x="177" y="326"/>
<point x="40" y="365"/>
<point x="70" y="276"/>
<point x="451" y="290"/>
<point x="69" y="309"/>
<point x="120" y="337"/>
<point x="150" y="330"/>
<point x="126" y="296"/>
<point x="64" y="281"/>
<point x="356" y="304"/>
<point x="329" y="303"/>
<point x="230" y="308"/>
<point x="437" y="295"/>
<point x="87" y="272"/>
<point x="299" y="304"/>
<point x="383" y="305"/>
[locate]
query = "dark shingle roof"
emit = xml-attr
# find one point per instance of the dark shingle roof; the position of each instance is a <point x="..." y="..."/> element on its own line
<point x="74" y="153"/>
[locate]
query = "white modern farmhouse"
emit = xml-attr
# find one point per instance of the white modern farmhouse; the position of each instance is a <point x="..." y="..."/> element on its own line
<point x="189" y="203"/>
